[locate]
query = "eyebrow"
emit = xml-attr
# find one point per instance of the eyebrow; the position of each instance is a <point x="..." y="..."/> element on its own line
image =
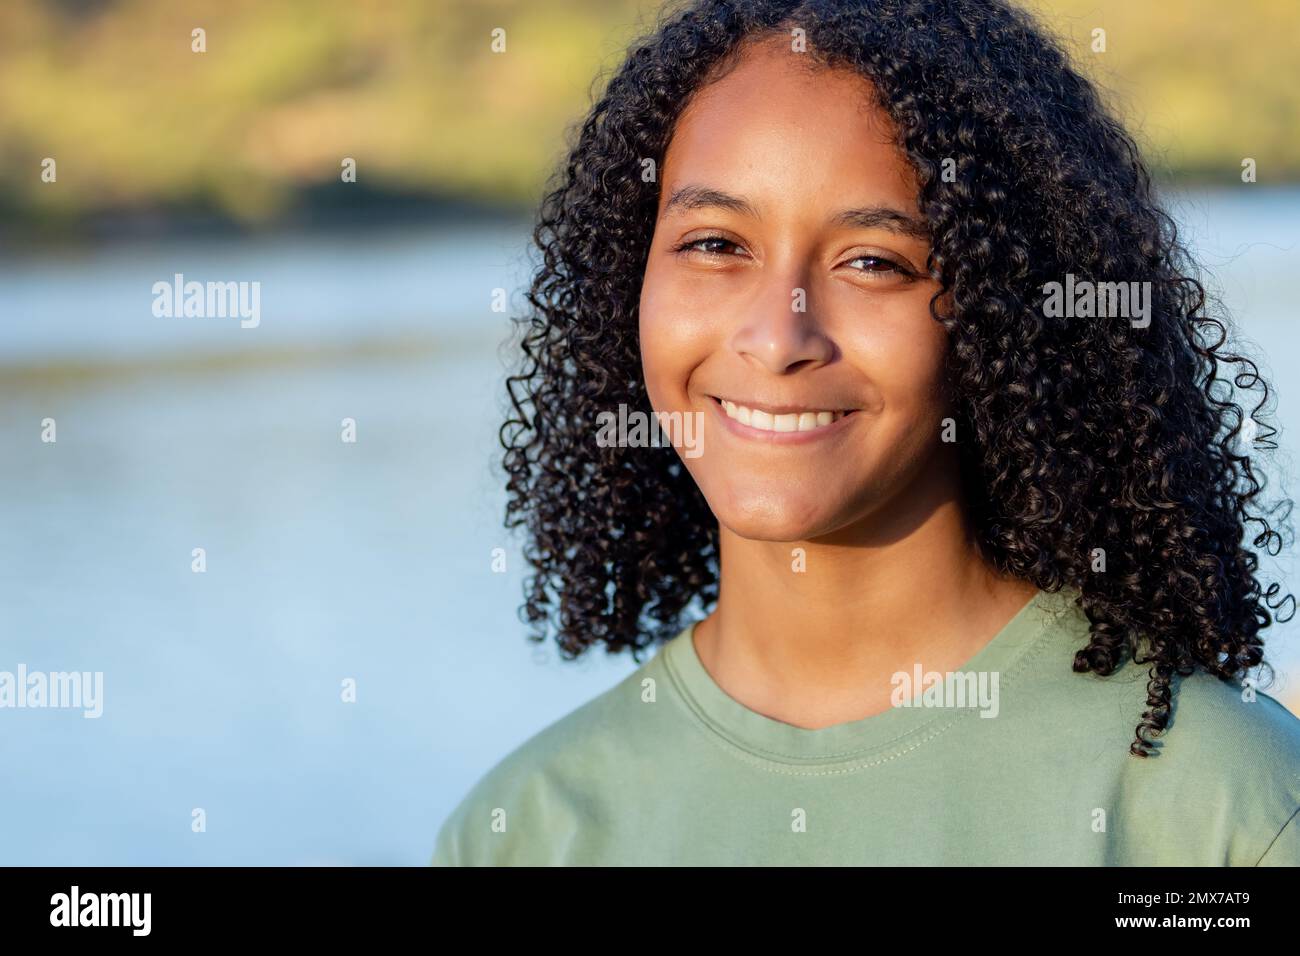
<point x="700" y="197"/>
<point x="883" y="217"/>
<point x="865" y="217"/>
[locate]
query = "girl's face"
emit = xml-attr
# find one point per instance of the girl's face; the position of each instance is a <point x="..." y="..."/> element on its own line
<point x="785" y="300"/>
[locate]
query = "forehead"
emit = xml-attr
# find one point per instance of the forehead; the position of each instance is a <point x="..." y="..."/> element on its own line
<point x="780" y="124"/>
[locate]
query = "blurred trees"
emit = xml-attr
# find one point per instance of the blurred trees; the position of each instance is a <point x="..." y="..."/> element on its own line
<point x="412" y="90"/>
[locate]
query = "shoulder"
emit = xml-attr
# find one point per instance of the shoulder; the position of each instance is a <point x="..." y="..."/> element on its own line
<point x="1228" y="723"/>
<point x="543" y="786"/>
<point x="1226" y="717"/>
<point x="1228" y="765"/>
<point x="1250" y="739"/>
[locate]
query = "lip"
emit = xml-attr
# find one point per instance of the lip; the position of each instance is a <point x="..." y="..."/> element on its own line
<point x="779" y="438"/>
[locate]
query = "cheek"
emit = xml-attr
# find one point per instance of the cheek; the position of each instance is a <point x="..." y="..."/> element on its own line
<point x="916" y="363"/>
<point x="902" y="354"/>
<point x="674" y="338"/>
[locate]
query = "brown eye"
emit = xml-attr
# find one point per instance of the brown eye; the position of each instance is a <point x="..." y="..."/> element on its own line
<point x="877" y="264"/>
<point x="709" y="245"/>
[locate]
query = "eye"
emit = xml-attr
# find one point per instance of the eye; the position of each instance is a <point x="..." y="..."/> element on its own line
<point x="708" y="245"/>
<point x="879" y="265"/>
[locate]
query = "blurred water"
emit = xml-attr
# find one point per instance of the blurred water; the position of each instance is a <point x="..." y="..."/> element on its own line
<point x="326" y="560"/>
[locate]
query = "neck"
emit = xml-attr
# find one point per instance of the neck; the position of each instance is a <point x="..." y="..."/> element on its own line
<point x="818" y="646"/>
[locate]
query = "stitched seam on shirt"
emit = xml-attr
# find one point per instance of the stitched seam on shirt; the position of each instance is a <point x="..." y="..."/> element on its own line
<point x="1277" y="836"/>
<point x="773" y="767"/>
<point x="763" y="753"/>
<point x="701" y="716"/>
<point x="756" y="756"/>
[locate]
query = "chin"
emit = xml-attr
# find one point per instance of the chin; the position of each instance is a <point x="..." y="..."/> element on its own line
<point x="764" y="517"/>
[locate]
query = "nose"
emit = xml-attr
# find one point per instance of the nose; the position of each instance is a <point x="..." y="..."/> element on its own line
<point x="780" y="330"/>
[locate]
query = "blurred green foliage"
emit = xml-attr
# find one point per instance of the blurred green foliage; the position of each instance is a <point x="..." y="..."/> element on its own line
<point x="413" y="91"/>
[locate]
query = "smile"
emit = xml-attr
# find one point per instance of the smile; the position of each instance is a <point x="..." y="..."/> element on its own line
<point x="785" y="420"/>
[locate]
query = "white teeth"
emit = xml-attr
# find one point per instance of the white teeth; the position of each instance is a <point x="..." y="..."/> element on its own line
<point x="789" y="422"/>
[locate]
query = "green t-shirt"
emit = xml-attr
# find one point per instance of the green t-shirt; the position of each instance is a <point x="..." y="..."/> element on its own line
<point x="1031" y="766"/>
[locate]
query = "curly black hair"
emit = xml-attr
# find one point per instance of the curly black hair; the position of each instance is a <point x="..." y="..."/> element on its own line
<point x="1076" y="435"/>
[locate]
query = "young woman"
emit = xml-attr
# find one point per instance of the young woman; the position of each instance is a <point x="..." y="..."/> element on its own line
<point x="970" y="560"/>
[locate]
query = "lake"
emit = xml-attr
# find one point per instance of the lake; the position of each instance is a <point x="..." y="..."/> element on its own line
<point x="327" y="562"/>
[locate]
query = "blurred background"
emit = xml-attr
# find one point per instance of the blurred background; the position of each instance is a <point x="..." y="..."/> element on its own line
<point x="371" y="561"/>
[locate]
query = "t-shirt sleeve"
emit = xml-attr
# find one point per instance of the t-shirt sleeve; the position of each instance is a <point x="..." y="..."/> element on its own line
<point x="457" y="843"/>
<point x="446" y="851"/>
<point x="1285" y="848"/>
<point x="535" y="805"/>
<point x="499" y="821"/>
